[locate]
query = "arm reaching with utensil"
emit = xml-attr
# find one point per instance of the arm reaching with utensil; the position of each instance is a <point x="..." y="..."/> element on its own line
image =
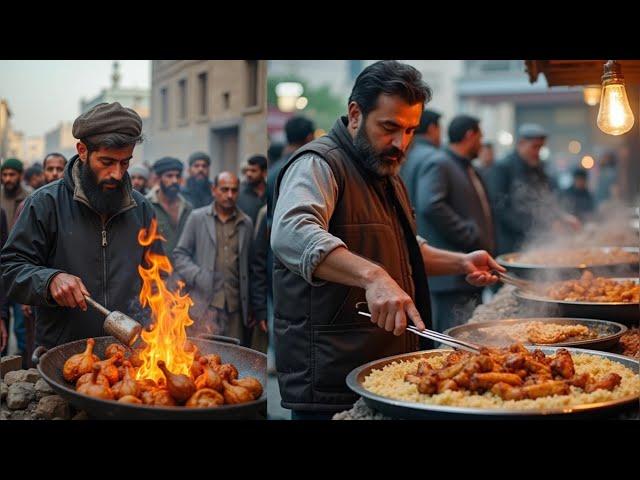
<point x="475" y="265"/>
<point x="388" y="303"/>
<point x="301" y="241"/>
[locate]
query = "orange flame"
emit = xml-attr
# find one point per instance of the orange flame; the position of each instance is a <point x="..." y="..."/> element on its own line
<point x="169" y="311"/>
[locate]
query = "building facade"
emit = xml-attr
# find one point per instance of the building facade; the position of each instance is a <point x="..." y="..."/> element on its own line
<point x="216" y="106"/>
<point x="60" y="140"/>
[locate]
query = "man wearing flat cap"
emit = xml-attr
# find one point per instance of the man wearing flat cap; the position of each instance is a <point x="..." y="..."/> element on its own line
<point x="170" y="206"/>
<point x="197" y="191"/>
<point x="78" y="236"/>
<point x="523" y="195"/>
<point x="139" y="178"/>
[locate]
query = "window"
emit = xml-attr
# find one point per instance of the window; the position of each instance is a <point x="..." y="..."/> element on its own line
<point x="164" y="106"/>
<point x="182" y="98"/>
<point x="202" y="94"/>
<point x="252" y="83"/>
<point x="226" y="102"/>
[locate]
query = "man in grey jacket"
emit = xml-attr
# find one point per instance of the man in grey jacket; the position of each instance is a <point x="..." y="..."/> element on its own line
<point x="426" y="144"/>
<point x="212" y="256"/>
<point x="453" y="213"/>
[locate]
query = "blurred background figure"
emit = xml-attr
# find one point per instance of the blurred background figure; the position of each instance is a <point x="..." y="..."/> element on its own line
<point x="53" y="166"/>
<point x="453" y="213"/>
<point x="139" y="178"/>
<point x="34" y="176"/>
<point x="577" y="199"/>
<point x="274" y="152"/>
<point x="197" y="190"/>
<point x="426" y="143"/>
<point x="171" y="208"/>
<point x="252" y="195"/>
<point x="12" y="191"/>
<point x="523" y="194"/>
<point x="299" y="131"/>
<point x="608" y="176"/>
<point x="486" y="158"/>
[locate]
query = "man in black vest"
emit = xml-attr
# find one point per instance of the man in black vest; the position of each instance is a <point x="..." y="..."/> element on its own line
<point x="344" y="232"/>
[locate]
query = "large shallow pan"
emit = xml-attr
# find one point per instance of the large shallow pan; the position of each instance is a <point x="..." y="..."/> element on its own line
<point x="412" y="410"/>
<point x="621" y="312"/>
<point x="248" y="362"/>
<point x="607" y="339"/>
<point x="560" y="272"/>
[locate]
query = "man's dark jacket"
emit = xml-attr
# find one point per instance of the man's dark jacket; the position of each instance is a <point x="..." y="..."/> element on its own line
<point x="449" y="214"/>
<point x="421" y="151"/>
<point x="58" y="231"/>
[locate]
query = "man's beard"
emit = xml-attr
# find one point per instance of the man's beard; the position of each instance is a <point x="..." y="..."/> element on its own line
<point x="378" y="162"/>
<point x="11" y="189"/>
<point x="106" y="202"/>
<point x="198" y="184"/>
<point x="170" y="191"/>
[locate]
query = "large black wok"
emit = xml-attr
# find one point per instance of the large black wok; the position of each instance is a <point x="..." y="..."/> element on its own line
<point x="248" y="362"/>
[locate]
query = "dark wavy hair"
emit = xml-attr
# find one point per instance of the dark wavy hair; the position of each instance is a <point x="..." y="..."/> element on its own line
<point x="389" y="77"/>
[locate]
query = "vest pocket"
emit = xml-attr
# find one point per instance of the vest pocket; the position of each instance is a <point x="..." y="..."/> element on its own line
<point x="338" y="349"/>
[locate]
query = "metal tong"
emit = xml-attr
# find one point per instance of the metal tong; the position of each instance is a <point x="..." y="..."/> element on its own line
<point x="524" y="285"/>
<point x="362" y="309"/>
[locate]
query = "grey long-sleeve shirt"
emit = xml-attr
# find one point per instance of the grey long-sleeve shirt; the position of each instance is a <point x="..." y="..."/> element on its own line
<point x="300" y="237"/>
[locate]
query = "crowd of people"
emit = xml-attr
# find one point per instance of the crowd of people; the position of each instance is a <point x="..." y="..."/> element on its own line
<point x="69" y="229"/>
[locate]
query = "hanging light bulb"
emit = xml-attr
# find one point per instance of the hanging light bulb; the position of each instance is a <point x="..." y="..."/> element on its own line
<point x="591" y="94"/>
<point x="615" y="116"/>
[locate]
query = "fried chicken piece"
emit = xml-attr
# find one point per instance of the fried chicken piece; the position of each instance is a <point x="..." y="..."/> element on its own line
<point x="546" y="389"/>
<point x="608" y="382"/>
<point x="447" y="384"/>
<point x="579" y="381"/>
<point x="562" y="364"/>
<point x="507" y="392"/>
<point x="205" y="398"/>
<point x="424" y="367"/>
<point x="534" y="366"/>
<point x="411" y="378"/>
<point x="518" y="348"/>
<point x="449" y="372"/>
<point x="463" y="380"/>
<point x="452" y="358"/>
<point x="514" y="361"/>
<point x="485" y="381"/>
<point x="428" y="384"/>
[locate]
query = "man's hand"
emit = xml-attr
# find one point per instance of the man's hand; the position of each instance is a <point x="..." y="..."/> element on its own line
<point x="26" y="310"/>
<point x="4" y="335"/>
<point x="390" y="305"/>
<point x="68" y="291"/>
<point x="263" y="325"/>
<point x="573" y="222"/>
<point x="478" y="265"/>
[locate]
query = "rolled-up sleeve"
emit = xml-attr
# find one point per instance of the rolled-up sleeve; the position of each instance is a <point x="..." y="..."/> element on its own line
<point x="300" y="238"/>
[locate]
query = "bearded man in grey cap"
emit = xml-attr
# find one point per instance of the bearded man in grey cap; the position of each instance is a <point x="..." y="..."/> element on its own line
<point x="523" y="195"/>
<point x="79" y="236"/>
<point x="197" y="191"/>
<point x="139" y="178"/>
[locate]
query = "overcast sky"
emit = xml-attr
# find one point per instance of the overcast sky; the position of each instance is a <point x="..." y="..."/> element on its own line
<point x="41" y="93"/>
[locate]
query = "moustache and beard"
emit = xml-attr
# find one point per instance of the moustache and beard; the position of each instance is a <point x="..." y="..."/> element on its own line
<point x="198" y="184"/>
<point x="171" y="191"/>
<point x="385" y="163"/>
<point x="105" y="201"/>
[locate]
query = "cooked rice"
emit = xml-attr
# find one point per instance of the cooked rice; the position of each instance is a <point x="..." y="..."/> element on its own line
<point x="537" y="332"/>
<point x="389" y="382"/>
